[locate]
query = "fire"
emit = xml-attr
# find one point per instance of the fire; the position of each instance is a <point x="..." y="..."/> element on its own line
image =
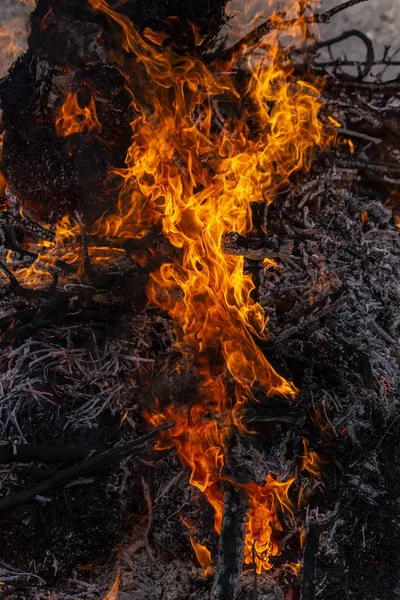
<point x="295" y="567"/>
<point x="310" y="460"/>
<point x="203" y="555"/>
<point x="197" y="171"/>
<point x="113" y="592"/>
<point x="265" y="504"/>
<point x="72" y="118"/>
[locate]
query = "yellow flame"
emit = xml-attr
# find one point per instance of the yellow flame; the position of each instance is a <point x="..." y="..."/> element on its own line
<point x="310" y="460"/>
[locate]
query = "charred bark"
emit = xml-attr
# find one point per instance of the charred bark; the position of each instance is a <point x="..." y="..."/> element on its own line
<point x="231" y="545"/>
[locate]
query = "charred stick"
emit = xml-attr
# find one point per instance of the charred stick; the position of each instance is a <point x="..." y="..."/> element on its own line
<point x="360" y="164"/>
<point x="92" y="464"/>
<point x="11" y="277"/>
<point x="231" y="546"/>
<point x="11" y="453"/>
<point x="15" y="219"/>
<point x="257" y="248"/>
<point x="29" y="258"/>
<point x="310" y="562"/>
<point x="360" y="136"/>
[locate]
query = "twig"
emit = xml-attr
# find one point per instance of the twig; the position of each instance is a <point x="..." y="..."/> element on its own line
<point x="361" y="136"/>
<point x="85" y="249"/>
<point x="11" y="277"/>
<point x="86" y="467"/>
<point x="369" y="61"/>
<point x="11" y="453"/>
<point x="255" y="35"/>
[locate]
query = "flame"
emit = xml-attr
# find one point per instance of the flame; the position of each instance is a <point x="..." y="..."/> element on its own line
<point x="295" y="567"/>
<point x="203" y="556"/>
<point x="3" y="183"/>
<point x="48" y="19"/>
<point x="13" y="37"/>
<point x="197" y="171"/>
<point x="263" y="526"/>
<point x="112" y="594"/>
<point x="71" y="118"/>
<point x="269" y="262"/>
<point x="351" y="146"/>
<point x="31" y="4"/>
<point x="310" y="460"/>
<point x="334" y="122"/>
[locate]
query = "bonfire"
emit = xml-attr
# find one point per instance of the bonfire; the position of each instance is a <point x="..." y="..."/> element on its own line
<point x="199" y="306"/>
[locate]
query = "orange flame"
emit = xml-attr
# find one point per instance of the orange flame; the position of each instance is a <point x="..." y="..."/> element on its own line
<point x="295" y="567"/>
<point x="265" y="504"/>
<point x="310" y="460"/>
<point x="112" y="594"/>
<point x="71" y="118"/>
<point x="203" y="555"/>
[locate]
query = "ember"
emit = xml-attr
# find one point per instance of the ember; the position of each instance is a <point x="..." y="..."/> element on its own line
<point x="199" y="306"/>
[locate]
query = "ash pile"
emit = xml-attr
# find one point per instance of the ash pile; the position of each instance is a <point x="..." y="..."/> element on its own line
<point x="95" y="502"/>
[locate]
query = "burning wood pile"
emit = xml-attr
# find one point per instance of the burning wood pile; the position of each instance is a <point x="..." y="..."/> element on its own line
<point x="199" y="309"/>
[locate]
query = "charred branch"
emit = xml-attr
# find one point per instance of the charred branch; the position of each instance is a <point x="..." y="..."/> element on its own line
<point x="310" y="562"/>
<point x="231" y="545"/>
<point x="22" y="453"/>
<point x="87" y="467"/>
